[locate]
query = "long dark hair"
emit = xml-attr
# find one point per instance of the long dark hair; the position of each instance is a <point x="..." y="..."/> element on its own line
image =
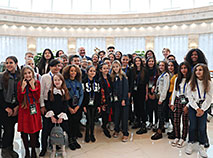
<point x="201" y="57"/>
<point x="42" y="62"/>
<point x="206" y="77"/>
<point x="153" y="54"/>
<point x="155" y="64"/>
<point x="6" y="75"/>
<point x="180" y="75"/>
<point x="142" y="68"/>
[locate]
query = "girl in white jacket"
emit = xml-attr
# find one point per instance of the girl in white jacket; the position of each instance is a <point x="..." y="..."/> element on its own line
<point x="200" y="96"/>
<point x="162" y="87"/>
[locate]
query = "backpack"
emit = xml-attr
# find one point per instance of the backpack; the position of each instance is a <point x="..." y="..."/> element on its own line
<point x="57" y="136"/>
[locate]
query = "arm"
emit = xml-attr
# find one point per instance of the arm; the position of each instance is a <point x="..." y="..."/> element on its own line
<point x="81" y="95"/>
<point x="192" y="99"/>
<point x="206" y="104"/>
<point x="125" y="88"/>
<point x="20" y="94"/>
<point x="174" y="94"/>
<point x="164" y="91"/>
<point x="36" y="92"/>
<point x="43" y="86"/>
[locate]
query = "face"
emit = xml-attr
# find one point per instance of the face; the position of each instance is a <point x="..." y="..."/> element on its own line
<point x="134" y="55"/>
<point x="151" y="63"/>
<point x="47" y="55"/>
<point x="118" y="55"/>
<point x="171" y="58"/>
<point x="162" y="67"/>
<point x="31" y="63"/>
<point x="165" y="53"/>
<point x="55" y="69"/>
<point x="137" y="62"/>
<point x="82" y="51"/>
<point x="194" y="56"/>
<point x="111" y="50"/>
<point x="199" y="72"/>
<point x="29" y="55"/>
<point x="111" y="57"/>
<point x="57" y="81"/>
<point x="105" y="69"/>
<point x="125" y="61"/>
<point x="84" y="64"/>
<point x="171" y="67"/>
<point x="73" y="72"/>
<point x="108" y="62"/>
<point x="149" y="54"/>
<point x="184" y="70"/>
<point x="144" y="62"/>
<point x="95" y="59"/>
<point x="92" y="72"/>
<point x="116" y="67"/>
<point x="61" y="64"/>
<point x="65" y="62"/>
<point x="10" y="65"/>
<point x="89" y="63"/>
<point x="60" y="53"/>
<point x="76" y="61"/>
<point x="28" y="75"/>
<point x="101" y="55"/>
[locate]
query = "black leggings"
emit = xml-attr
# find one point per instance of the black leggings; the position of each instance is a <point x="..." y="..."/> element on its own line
<point x="33" y="140"/>
<point x="105" y="117"/>
<point x="152" y="106"/>
<point x="74" y="123"/>
<point x="139" y="107"/>
<point x="90" y="115"/>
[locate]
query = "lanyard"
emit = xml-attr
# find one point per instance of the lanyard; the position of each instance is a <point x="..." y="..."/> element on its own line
<point x="126" y="69"/>
<point x="161" y="76"/>
<point x="92" y="88"/>
<point x="28" y="98"/>
<point x="51" y="76"/>
<point x="107" y="82"/>
<point x="73" y="88"/>
<point x="198" y="91"/>
<point x="184" y="87"/>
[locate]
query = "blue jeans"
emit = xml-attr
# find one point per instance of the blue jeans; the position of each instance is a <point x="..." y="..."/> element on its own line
<point x="197" y="123"/>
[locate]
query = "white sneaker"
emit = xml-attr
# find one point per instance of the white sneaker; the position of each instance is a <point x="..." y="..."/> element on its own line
<point x="202" y="151"/>
<point x="175" y="142"/>
<point x="189" y="149"/>
<point x="180" y="143"/>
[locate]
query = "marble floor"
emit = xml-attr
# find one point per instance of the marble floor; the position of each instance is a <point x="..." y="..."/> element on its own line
<point x="141" y="146"/>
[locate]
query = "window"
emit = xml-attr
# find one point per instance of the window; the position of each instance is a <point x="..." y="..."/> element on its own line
<point x="81" y="6"/>
<point x="100" y="6"/>
<point x="119" y="6"/>
<point x="140" y="6"/>
<point x="63" y="6"/>
<point x="42" y="6"/>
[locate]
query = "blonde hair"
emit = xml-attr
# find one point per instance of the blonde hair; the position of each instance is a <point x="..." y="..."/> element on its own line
<point x="121" y="74"/>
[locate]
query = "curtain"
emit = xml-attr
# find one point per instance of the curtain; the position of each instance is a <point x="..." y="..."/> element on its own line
<point x="206" y="45"/>
<point x="90" y="44"/>
<point x="178" y="46"/>
<point x="128" y="45"/>
<point x="12" y="45"/>
<point x="52" y="43"/>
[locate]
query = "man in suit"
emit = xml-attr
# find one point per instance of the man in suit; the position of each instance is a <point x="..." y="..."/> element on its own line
<point x="82" y="53"/>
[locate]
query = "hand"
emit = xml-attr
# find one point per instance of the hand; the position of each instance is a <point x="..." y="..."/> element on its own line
<point x="15" y="111"/>
<point x="32" y="83"/>
<point x="23" y="85"/>
<point x="129" y="95"/>
<point x="123" y="103"/>
<point x="103" y="108"/>
<point x="146" y="97"/>
<point x="159" y="102"/>
<point x="43" y="110"/>
<point x="172" y="107"/>
<point x="153" y="89"/>
<point x="185" y="110"/>
<point x="60" y="120"/>
<point x="99" y="109"/>
<point x="76" y="109"/>
<point x="200" y="112"/>
<point x="71" y="110"/>
<point x="53" y="119"/>
<point x="85" y="109"/>
<point x="9" y="111"/>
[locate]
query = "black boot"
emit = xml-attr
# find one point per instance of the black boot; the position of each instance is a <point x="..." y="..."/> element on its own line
<point x="92" y="138"/>
<point x="77" y="146"/>
<point x="87" y="138"/>
<point x="33" y="153"/>
<point x="107" y="133"/>
<point x="5" y="153"/>
<point x="71" y="144"/>
<point x="142" y="130"/>
<point x="43" y="152"/>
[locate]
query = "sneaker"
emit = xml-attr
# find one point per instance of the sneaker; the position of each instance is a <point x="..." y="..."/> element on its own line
<point x="157" y="136"/>
<point x="175" y="142"/>
<point x="115" y="134"/>
<point x="180" y="143"/>
<point x="189" y="149"/>
<point x="107" y="133"/>
<point x="149" y="127"/>
<point x="166" y="125"/>
<point x="142" y="130"/>
<point x="202" y="151"/>
<point x="124" y="138"/>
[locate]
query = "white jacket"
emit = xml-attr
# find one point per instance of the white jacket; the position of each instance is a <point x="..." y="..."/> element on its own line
<point x="194" y="97"/>
<point x="162" y="86"/>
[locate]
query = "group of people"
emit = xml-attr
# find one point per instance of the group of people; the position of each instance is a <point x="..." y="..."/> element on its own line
<point x="121" y="89"/>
